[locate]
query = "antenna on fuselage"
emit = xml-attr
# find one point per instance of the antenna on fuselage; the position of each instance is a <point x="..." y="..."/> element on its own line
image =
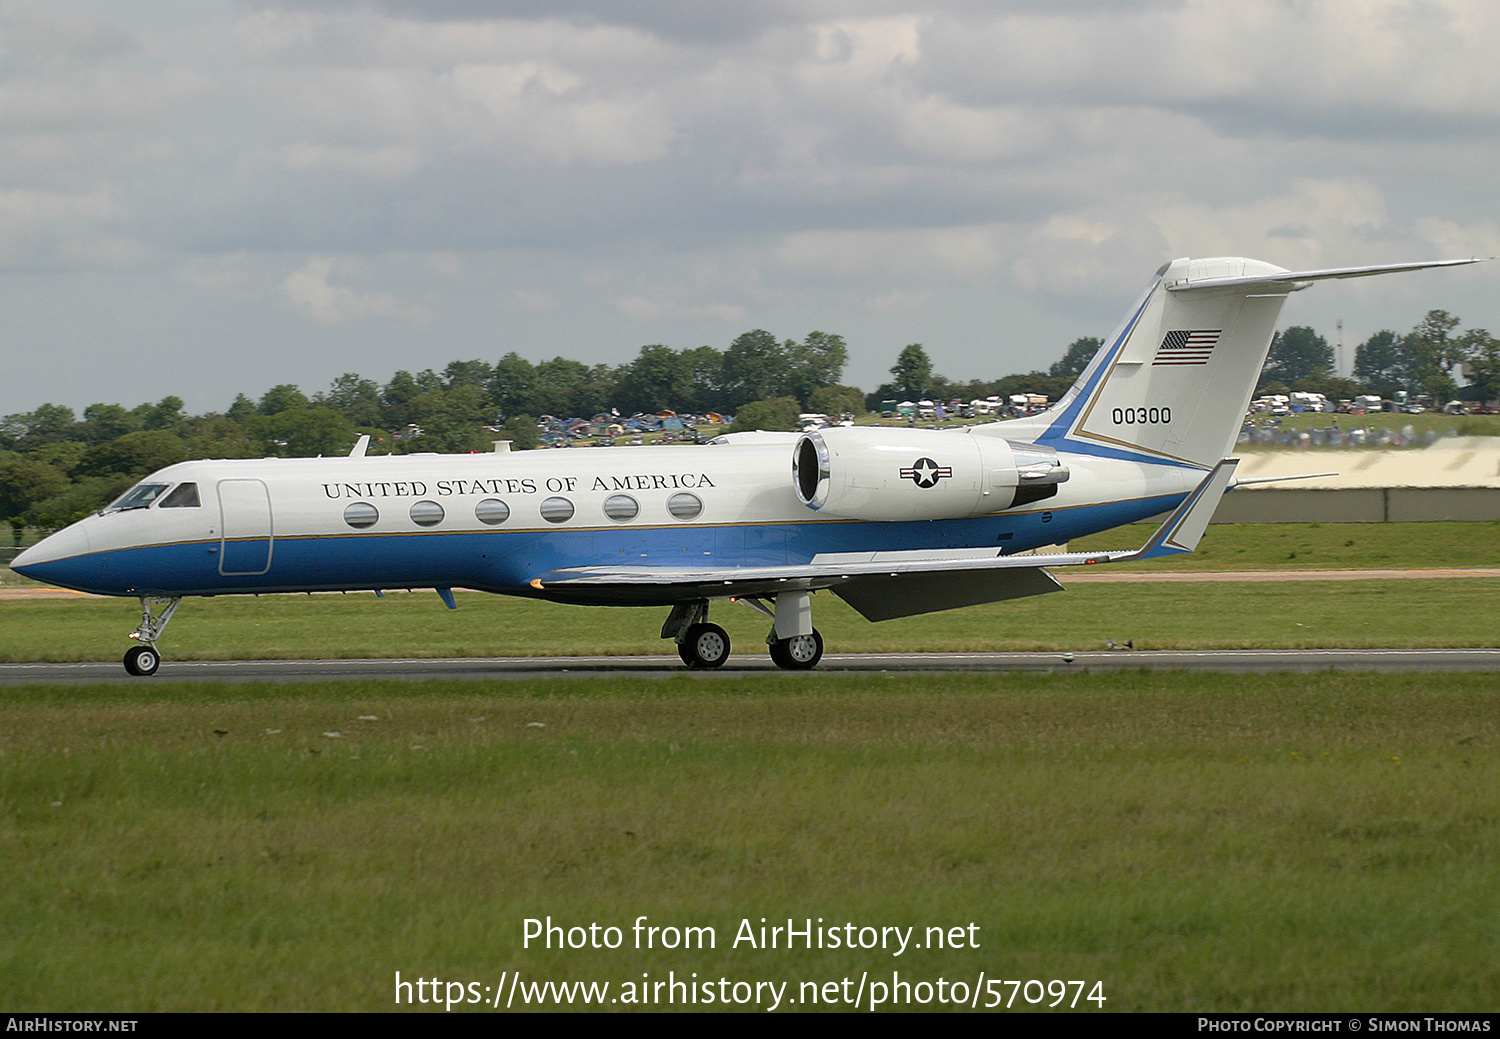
<point x="358" y="450"/>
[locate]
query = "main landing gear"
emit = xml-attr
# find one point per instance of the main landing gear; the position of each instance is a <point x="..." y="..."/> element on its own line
<point x="144" y="659"/>
<point x="794" y="643"/>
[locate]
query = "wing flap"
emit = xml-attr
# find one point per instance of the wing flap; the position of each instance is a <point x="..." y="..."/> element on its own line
<point x="906" y="595"/>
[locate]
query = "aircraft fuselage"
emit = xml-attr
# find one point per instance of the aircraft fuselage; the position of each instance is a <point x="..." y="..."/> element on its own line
<point x="496" y="522"/>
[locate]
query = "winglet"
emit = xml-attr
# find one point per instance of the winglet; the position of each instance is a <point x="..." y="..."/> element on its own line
<point x="1183" y="529"/>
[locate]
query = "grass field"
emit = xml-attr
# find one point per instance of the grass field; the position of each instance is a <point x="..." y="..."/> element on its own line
<point x="1318" y="546"/>
<point x="1199" y="842"/>
<point x="1392" y="613"/>
<point x="1188" y="842"/>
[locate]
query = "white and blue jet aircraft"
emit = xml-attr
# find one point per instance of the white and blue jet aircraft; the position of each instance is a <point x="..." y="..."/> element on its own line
<point x="894" y="521"/>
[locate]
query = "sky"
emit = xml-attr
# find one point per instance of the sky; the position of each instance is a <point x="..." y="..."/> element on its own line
<point x="205" y="198"/>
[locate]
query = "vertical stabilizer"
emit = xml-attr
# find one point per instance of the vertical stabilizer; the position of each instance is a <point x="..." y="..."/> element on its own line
<point x="1172" y="383"/>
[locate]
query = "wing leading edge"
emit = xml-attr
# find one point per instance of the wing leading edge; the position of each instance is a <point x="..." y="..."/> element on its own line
<point x="885" y="585"/>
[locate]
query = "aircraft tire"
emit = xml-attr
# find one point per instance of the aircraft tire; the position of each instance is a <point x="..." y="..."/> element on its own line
<point x="704" y="646"/>
<point x="798" y="653"/>
<point x="142" y="660"/>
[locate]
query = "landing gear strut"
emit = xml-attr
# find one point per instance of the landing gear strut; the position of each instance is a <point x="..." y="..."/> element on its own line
<point x="144" y="659"/>
<point x="794" y="643"/>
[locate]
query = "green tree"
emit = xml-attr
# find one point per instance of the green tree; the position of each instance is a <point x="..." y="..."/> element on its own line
<point x="1382" y="364"/>
<point x="658" y="378"/>
<point x="451" y="420"/>
<point x="566" y="388"/>
<point x="24" y="482"/>
<point x="755" y="368"/>
<point x="815" y="362"/>
<point x="166" y="415"/>
<point x="705" y="366"/>
<point x="912" y="373"/>
<point x="779" y="413"/>
<point x="512" y="383"/>
<point x="48" y="424"/>
<point x="1482" y="364"/>
<point x="835" y="400"/>
<point x="285" y="397"/>
<point x="358" y="399"/>
<point x="1077" y="357"/>
<point x="242" y="410"/>
<point x="104" y="422"/>
<point x="521" y="431"/>
<point x="1295" y="354"/>
<point x="133" y="455"/>
<point x="307" y="432"/>
<point x="396" y="408"/>
<point x="1434" y="352"/>
<point x="468" y="373"/>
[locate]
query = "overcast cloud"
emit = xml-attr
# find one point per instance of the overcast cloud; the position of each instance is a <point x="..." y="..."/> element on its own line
<point x="207" y="198"/>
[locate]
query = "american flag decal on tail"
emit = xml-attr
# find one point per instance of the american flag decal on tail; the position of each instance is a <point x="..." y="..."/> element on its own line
<point x="1187" y="347"/>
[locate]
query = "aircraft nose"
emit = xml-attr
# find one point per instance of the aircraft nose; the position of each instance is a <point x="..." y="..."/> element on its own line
<point x="47" y="559"/>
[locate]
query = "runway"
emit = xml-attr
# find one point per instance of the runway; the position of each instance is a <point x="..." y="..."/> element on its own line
<point x="1240" y="660"/>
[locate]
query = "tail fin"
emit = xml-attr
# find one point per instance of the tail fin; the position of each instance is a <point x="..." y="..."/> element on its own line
<point x="1173" y="381"/>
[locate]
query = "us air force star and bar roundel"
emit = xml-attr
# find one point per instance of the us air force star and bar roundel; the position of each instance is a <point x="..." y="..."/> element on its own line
<point x="926" y="473"/>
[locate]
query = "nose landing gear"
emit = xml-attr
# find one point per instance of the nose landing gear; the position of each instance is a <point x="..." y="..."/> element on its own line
<point x="144" y="659"/>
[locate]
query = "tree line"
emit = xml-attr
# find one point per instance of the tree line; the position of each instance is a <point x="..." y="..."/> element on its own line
<point x="1427" y="360"/>
<point x="56" y="466"/>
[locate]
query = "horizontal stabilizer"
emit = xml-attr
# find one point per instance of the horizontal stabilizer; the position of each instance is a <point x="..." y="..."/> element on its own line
<point x="1292" y="279"/>
<point x="1252" y="481"/>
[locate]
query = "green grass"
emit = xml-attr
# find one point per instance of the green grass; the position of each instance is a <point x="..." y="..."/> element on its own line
<point x="1208" y="842"/>
<point x="1318" y="546"/>
<point x="1391" y="613"/>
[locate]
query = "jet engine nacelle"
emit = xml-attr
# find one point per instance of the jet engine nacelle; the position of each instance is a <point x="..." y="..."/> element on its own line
<point x="873" y="473"/>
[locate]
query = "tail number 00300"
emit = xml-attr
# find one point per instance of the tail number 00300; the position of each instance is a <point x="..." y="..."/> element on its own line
<point x="1142" y="416"/>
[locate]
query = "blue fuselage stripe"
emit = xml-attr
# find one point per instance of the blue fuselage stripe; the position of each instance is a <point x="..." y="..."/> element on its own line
<point x="505" y="561"/>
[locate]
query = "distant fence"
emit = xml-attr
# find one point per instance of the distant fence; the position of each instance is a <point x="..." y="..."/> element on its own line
<point x="1360" y="505"/>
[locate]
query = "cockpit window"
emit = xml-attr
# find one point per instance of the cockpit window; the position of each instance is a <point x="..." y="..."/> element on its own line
<point x="184" y="496"/>
<point x="138" y="497"/>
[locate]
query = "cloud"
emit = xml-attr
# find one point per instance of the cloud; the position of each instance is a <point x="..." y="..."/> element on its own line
<point x="50" y="230"/>
<point x="311" y="296"/>
<point x="380" y="164"/>
<point x="912" y="170"/>
<point x="906" y="253"/>
<point x="642" y="308"/>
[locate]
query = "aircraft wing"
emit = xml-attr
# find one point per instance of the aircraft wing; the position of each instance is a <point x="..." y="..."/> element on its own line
<point x="883" y="585"/>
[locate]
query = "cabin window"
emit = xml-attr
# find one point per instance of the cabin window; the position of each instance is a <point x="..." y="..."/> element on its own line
<point x="184" y="496"/>
<point x="685" y="506"/>
<point x="557" y="510"/>
<point x="361" y="515"/>
<point x="621" y="507"/>
<point x="492" y="512"/>
<point x="138" y="497"/>
<point x="427" y="513"/>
